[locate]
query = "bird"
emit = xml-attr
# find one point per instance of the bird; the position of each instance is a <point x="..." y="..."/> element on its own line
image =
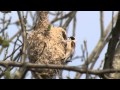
<point x="70" y="49"/>
<point x="69" y="52"/>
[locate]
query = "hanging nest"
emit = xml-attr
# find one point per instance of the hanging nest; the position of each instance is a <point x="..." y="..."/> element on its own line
<point x="47" y="47"/>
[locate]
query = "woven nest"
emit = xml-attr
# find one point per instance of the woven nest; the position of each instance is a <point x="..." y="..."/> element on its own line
<point x="47" y="47"/>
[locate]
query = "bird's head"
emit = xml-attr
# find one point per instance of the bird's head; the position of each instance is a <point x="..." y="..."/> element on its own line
<point x="72" y="38"/>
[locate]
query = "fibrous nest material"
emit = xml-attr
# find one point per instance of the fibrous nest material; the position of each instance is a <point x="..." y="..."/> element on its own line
<point x="47" y="47"/>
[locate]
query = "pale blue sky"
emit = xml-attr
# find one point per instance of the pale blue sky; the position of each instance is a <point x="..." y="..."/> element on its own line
<point x="88" y="28"/>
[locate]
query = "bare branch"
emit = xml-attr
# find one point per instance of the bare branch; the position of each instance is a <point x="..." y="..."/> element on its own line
<point x="23" y="35"/>
<point x="102" y="23"/>
<point x="69" y="68"/>
<point x="99" y="47"/>
<point x="65" y="16"/>
<point x="71" y="16"/>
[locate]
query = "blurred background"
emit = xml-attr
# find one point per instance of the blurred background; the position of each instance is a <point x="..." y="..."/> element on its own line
<point x="85" y="26"/>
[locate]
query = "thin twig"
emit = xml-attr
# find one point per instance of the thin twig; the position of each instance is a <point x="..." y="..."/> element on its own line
<point x="102" y="23"/>
<point x="65" y="16"/>
<point x="71" y="16"/>
<point x="23" y="35"/>
<point x="74" y="26"/>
